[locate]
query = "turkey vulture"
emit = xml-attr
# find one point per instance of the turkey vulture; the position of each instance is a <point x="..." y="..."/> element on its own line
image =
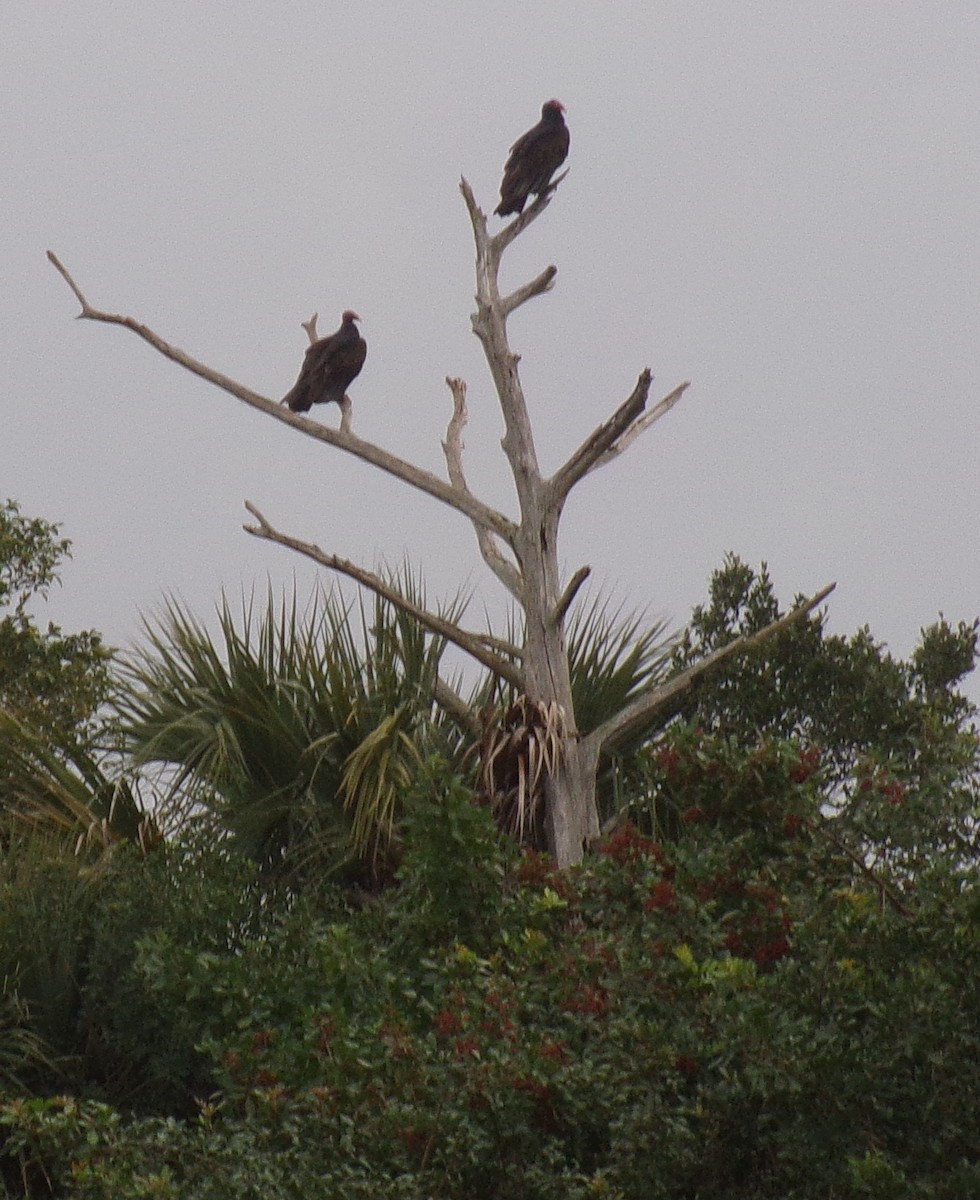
<point x="534" y="158"/>
<point x="330" y="366"/>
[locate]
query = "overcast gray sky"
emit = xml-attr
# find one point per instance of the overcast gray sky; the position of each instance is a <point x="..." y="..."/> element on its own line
<point x="776" y="201"/>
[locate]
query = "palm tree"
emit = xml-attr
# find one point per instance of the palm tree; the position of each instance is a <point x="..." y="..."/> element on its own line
<point x="296" y="732"/>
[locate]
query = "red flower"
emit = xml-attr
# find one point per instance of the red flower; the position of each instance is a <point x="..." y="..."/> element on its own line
<point x="807" y="763"/>
<point x="894" y="793"/>
<point x="592" y="1000"/>
<point x="466" y="1048"/>
<point x="446" y="1023"/>
<point x="770" y="952"/>
<point x="398" y="1040"/>
<point x="662" y="895"/>
<point x="628" y="845"/>
<point x="686" y="1064"/>
<point x="538" y="871"/>
<point x="415" y="1140"/>
<point x="554" y="1051"/>
<point x="667" y="759"/>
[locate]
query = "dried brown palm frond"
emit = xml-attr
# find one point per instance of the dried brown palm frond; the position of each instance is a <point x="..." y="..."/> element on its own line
<point x="519" y="750"/>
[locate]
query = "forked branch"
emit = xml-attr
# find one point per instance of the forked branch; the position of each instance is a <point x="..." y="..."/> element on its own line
<point x="661" y="409"/>
<point x="602" y="439"/>
<point x="499" y="242"/>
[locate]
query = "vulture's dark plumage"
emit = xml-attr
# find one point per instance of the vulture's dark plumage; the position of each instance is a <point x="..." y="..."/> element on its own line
<point x="534" y="158"/>
<point x="330" y="366"/>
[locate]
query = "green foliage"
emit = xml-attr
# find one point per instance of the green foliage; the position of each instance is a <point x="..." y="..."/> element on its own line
<point x="66" y="790"/>
<point x="83" y="948"/>
<point x="157" y="924"/>
<point x="23" y="1054"/>
<point x="764" y="988"/>
<point x="47" y="901"/>
<point x="453" y="865"/>
<point x="846" y="695"/>
<point x="298" y="733"/>
<point x="615" y="655"/>
<point x="53" y="680"/>
<point x="746" y="1011"/>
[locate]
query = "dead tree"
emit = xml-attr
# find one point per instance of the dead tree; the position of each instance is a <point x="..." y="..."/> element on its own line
<point x="522" y="553"/>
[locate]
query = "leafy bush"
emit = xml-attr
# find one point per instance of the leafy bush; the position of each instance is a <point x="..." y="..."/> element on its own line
<point x="744" y="1012"/>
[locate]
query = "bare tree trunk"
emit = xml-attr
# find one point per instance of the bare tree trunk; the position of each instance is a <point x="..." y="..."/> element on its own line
<point x="571" y="817"/>
<point x="522" y="555"/>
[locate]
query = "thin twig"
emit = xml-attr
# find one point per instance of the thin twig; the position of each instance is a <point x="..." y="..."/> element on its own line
<point x="310" y="327"/>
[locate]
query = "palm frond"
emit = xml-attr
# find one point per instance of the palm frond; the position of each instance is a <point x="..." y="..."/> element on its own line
<point x="271" y="725"/>
<point x="615" y="654"/>
<point x="65" y="789"/>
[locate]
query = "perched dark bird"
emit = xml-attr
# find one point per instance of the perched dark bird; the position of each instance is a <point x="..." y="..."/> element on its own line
<point x="330" y="366"/>
<point x="534" y="158"/>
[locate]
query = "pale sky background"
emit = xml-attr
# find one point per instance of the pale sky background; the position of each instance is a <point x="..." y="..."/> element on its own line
<point x="777" y="201"/>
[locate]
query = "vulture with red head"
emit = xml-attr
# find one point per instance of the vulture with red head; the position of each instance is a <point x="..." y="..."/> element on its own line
<point x="330" y="366"/>
<point x="534" y="158"/>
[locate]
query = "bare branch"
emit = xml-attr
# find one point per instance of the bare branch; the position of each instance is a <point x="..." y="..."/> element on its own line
<point x="501" y="645"/>
<point x="633" y="432"/>
<point x="453" y="447"/>
<point x="478" y="218"/>
<point x="569" y="594"/>
<point x="638" y="715"/>
<point x="343" y="438"/>
<point x="601" y="439"/>
<point x="490" y="326"/>
<point x="504" y="238"/>
<point x="536" y="287"/>
<point x="462" y="713"/>
<point x="310" y="327"/>
<point x="62" y="271"/>
<point x="492" y="247"/>
<point x="168" y="351"/>
<point x="472" y="644"/>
